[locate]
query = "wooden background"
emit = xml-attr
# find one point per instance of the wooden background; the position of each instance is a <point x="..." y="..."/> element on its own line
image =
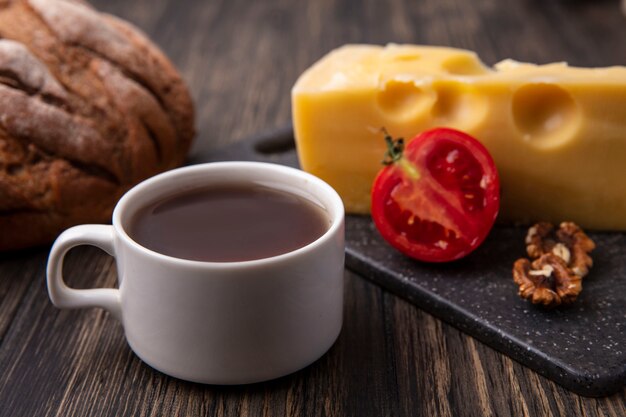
<point x="240" y="59"/>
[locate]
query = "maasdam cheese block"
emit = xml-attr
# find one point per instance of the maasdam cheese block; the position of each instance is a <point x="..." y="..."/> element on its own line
<point x="557" y="133"/>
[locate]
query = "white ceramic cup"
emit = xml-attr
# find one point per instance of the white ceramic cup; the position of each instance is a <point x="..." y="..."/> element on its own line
<point x="214" y="322"/>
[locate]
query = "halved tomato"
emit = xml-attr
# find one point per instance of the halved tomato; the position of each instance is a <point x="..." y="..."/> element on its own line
<point x="437" y="199"/>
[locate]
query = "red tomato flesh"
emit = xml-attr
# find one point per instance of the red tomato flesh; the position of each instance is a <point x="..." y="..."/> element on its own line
<point x="439" y="201"/>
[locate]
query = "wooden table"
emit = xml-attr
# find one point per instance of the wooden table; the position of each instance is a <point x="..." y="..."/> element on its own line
<point x="241" y="59"/>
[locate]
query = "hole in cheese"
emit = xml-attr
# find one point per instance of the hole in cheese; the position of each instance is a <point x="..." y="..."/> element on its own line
<point x="403" y="100"/>
<point x="458" y="105"/>
<point x="406" y="57"/>
<point x="463" y="65"/>
<point x="545" y="114"/>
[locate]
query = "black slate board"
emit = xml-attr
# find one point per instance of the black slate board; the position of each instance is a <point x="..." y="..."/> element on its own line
<point x="582" y="346"/>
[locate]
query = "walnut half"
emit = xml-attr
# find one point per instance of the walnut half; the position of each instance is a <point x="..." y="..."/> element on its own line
<point x="560" y="261"/>
<point x="546" y="280"/>
<point x="569" y="243"/>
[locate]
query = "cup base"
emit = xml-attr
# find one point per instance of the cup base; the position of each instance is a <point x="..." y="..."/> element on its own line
<point x="252" y="378"/>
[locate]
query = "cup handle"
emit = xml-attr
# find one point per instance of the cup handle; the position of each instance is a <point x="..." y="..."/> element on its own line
<point x="63" y="296"/>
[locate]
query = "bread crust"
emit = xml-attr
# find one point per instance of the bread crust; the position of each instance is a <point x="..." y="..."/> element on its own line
<point x="88" y="108"/>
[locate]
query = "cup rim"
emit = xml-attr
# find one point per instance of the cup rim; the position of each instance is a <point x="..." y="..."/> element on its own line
<point x="134" y="192"/>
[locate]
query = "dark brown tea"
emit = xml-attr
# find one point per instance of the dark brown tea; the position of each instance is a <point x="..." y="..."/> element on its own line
<point x="229" y="223"/>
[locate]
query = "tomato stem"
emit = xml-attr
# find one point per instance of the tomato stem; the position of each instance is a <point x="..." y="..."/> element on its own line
<point x="395" y="147"/>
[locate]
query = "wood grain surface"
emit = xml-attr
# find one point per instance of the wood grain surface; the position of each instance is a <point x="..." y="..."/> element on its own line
<point x="241" y="59"/>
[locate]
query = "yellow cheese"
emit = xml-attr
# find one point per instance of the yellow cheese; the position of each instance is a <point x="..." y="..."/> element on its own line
<point x="557" y="133"/>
